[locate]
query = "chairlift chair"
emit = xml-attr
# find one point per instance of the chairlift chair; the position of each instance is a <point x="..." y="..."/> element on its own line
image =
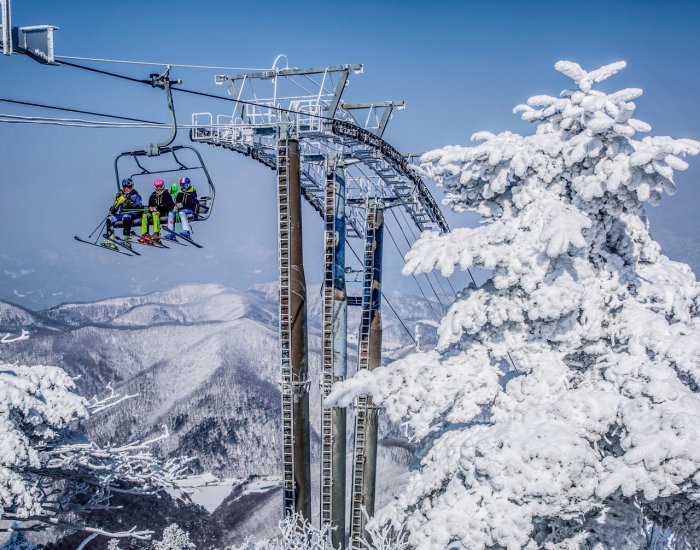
<point x="178" y="167"/>
<point x="143" y="176"/>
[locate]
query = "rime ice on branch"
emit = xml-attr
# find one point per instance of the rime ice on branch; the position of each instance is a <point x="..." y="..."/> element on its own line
<point x="50" y="474"/>
<point x="596" y="428"/>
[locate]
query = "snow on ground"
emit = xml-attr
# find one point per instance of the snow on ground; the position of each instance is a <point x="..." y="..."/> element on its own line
<point x="206" y="489"/>
<point x="209" y="491"/>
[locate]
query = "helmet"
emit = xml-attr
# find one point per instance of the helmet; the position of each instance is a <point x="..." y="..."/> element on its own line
<point x="158" y="184"/>
<point x="184" y="182"/>
<point x="173" y="188"/>
<point x="128" y="182"/>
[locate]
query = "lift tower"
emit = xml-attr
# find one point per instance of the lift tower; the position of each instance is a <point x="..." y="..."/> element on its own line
<point x="348" y="173"/>
<point x="369" y="352"/>
<point x="335" y="354"/>
<point x="293" y="334"/>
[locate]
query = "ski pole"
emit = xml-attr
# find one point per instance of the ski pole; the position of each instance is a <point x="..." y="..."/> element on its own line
<point x="98" y="226"/>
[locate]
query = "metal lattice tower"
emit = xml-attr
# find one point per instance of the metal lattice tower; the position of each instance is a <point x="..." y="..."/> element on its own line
<point x="368" y="358"/>
<point x="334" y="327"/>
<point x="348" y="173"/>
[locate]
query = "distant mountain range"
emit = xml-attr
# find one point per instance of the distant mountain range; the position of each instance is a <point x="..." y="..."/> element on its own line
<point x="203" y="361"/>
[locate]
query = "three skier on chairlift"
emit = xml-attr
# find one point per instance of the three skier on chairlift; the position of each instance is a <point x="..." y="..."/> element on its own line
<point x="128" y="206"/>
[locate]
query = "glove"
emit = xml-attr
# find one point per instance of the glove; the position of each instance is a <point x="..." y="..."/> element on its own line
<point x="178" y="206"/>
<point x="113" y="210"/>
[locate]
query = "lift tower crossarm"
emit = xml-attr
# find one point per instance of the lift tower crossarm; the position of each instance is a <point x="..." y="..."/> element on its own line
<point x="289" y="72"/>
<point x="386" y="115"/>
<point x="35" y="41"/>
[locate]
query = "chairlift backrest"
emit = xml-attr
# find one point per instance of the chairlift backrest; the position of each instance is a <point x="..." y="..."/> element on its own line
<point x="176" y="165"/>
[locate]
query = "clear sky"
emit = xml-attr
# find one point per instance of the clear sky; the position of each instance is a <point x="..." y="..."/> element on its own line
<point x="460" y="66"/>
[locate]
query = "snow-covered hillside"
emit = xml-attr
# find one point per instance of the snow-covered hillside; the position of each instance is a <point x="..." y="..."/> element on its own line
<point x="202" y="360"/>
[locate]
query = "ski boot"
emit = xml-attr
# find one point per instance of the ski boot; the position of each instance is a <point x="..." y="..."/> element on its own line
<point x="171" y="237"/>
<point x="107" y="243"/>
<point x="185" y="234"/>
<point x="126" y="241"/>
<point x="155" y="238"/>
<point x="145" y="239"/>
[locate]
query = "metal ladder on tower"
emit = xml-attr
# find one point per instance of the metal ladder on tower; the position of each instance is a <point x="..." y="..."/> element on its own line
<point x="327" y="372"/>
<point x="285" y="331"/>
<point x="363" y="402"/>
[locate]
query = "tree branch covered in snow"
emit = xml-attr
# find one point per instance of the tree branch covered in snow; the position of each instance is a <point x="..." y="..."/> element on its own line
<point x="50" y="474"/>
<point x="596" y="433"/>
<point x="297" y="533"/>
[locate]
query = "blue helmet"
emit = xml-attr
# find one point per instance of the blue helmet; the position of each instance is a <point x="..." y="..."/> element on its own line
<point x="128" y="182"/>
<point x="184" y="183"/>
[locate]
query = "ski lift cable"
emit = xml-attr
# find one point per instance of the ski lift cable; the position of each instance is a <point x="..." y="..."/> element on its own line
<point x="430" y="305"/>
<point x="384" y="297"/>
<point x="469" y="271"/>
<point x="195" y="92"/>
<point x="79" y="111"/>
<point x="17" y="119"/>
<point x="427" y="275"/>
<point x="73" y="123"/>
<point x="107" y="73"/>
<point x="402" y="256"/>
<point x="108" y="124"/>
<point x="437" y="280"/>
<point x="184" y="66"/>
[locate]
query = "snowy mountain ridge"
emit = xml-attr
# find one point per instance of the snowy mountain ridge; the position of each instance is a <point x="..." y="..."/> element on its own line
<point x="202" y="360"/>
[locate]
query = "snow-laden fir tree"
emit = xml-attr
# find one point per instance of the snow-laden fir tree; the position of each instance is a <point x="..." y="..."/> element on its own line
<point x="18" y="541"/>
<point x="594" y="428"/>
<point x="51" y="475"/>
<point x="174" y="538"/>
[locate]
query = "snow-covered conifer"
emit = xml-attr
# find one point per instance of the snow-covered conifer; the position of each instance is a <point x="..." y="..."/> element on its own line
<point x="51" y="475"/>
<point x="562" y="406"/>
<point x="18" y="541"/>
<point x="174" y="538"/>
<point x="297" y="533"/>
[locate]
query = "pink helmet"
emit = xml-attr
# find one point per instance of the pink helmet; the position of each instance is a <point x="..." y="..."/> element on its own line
<point x="158" y="184"/>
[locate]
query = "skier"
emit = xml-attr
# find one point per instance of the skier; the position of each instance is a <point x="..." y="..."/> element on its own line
<point x="185" y="205"/>
<point x="126" y="207"/>
<point x="160" y="204"/>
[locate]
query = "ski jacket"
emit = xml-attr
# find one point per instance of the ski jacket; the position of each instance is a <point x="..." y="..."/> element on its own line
<point x="188" y="199"/>
<point x="163" y="202"/>
<point x="125" y="202"/>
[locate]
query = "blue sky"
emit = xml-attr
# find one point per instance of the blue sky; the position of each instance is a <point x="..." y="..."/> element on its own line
<point x="460" y="66"/>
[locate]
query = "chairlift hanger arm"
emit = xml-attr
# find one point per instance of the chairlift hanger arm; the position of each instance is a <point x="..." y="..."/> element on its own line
<point x="163" y="82"/>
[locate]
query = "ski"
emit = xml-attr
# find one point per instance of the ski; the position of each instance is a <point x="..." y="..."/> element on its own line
<point x="150" y="243"/>
<point x="119" y="242"/>
<point x="101" y="246"/>
<point x="182" y="237"/>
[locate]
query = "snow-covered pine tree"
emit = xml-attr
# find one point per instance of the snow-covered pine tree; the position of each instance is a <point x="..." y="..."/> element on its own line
<point x="174" y="538"/>
<point x="18" y="541"/>
<point x="562" y="406"/>
<point x="51" y="475"/>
